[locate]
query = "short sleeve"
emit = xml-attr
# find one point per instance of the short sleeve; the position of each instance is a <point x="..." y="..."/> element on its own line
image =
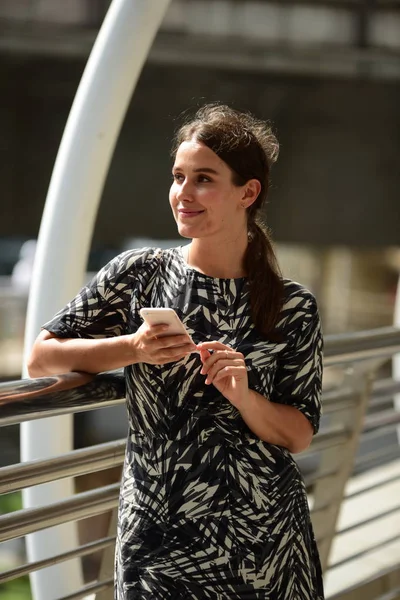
<point x="298" y="378"/>
<point x="101" y="308"/>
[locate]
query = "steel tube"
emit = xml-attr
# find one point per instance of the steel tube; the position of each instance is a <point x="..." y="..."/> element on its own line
<point x="84" y="550"/>
<point x="72" y="464"/>
<point x="381" y="515"/>
<point x="378" y="456"/>
<point x="93" y="588"/>
<point x="328" y="439"/>
<point x="361" y="553"/>
<point x="31" y="399"/>
<point x="373" y="486"/>
<point x="361" y="345"/>
<point x="80" y="506"/>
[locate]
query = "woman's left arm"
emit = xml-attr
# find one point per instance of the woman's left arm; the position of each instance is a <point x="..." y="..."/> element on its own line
<point x="278" y="424"/>
<point x="290" y="415"/>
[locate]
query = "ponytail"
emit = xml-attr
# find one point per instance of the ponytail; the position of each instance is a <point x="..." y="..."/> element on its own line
<point x="265" y="280"/>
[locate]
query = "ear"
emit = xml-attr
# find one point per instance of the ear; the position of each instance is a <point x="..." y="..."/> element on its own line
<point x="251" y="191"/>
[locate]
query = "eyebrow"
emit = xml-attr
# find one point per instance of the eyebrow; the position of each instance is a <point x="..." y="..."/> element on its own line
<point x="200" y="170"/>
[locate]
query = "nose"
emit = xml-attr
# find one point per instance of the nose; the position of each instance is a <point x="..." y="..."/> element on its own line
<point x="185" y="191"/>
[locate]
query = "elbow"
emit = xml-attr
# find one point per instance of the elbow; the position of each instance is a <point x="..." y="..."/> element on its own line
<point x="300" y="444"/>
<point x="33" y="367"/>
<point x="40" y="359"/>
<point x="297" y="447"/>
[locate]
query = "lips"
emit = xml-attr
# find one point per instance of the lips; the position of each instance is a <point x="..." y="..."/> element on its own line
<point x="189" y="213"/>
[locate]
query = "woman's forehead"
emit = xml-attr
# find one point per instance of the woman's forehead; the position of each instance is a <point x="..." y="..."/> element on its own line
<point x="192" y="153"/>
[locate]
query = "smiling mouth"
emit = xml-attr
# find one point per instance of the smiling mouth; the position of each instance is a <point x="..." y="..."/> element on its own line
<point x="190" y="213"/>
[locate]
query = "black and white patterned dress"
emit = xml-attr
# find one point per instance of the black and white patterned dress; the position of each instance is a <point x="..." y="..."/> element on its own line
<point x="207" y="511"/>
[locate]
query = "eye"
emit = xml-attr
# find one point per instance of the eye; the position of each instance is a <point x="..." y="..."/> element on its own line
<point x="177" y="177"/>
<point x="203" y="179"/>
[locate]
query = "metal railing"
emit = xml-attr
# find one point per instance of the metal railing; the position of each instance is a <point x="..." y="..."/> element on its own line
<point x="327" y="465"/>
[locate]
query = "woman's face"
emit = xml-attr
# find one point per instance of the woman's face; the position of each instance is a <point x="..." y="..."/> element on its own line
<point x="203" y="198"/>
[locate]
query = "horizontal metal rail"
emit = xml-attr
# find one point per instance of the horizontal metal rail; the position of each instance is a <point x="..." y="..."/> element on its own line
<point x="84" y="550"/>
<point x="28" y="399"/>
<point x="93" y="588"/>
<point x="72" y="464"/>
<point x="371" y="587"/>
<point x="373" y="486"/>
<point x="365" y="551"/>
<point x="335" y="436"/>
<point x="381" y="455"/>
<point x="389" y="511"/>
<point x="374" y="434"/>
<point x="80" y="506"/>
<point x="392" y="595"/>
<point x="381" y="419"/>
<point x="386" y="388"/>
<point x="361" y="345"/>
<point x="77" y="392"/>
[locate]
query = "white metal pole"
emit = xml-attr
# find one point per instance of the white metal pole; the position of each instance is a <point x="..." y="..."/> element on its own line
<point x="82" y="163"/>
<point x="396" y="358"/>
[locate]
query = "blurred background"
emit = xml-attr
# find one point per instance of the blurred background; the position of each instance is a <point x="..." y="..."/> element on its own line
<point x="325" y="72"/>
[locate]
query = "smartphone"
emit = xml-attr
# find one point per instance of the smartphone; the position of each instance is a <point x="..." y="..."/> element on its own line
<point x="164" y="316"/>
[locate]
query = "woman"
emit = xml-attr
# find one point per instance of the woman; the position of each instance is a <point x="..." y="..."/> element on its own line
<point x="212" y="504"/>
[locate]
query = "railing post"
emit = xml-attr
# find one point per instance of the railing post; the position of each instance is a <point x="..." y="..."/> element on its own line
<point x="107" y="560"/>
<point x="328" y="492"/>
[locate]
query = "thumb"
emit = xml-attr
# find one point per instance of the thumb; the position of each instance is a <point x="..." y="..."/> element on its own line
<point x="204" y="354"/>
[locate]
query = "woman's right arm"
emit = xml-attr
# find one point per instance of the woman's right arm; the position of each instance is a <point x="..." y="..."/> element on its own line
<point x="52" y="355"/>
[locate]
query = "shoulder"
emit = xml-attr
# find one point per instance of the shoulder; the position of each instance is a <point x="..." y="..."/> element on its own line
<point x="296" y="296"/>
<point x="298" y="309"/>
<point x="130" y="262"/>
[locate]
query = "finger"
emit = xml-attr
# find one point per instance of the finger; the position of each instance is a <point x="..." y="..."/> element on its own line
<point x="175" y="353"/>
<point x="173" y="341"/>
<point x="154" y="331"/>
<point x="204" y="354"/>
<point x="237" y="373"/>
<point x="222" y="365"/>
<point x="214" y="358"/>
<point x="213" y="346"/>
<point x="221" y="355"/>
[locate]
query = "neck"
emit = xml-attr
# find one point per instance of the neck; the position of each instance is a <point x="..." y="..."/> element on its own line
<point x="223" y="260"/>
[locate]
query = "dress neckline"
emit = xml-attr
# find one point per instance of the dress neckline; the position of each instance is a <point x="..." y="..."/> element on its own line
<point x="190" y="269"/>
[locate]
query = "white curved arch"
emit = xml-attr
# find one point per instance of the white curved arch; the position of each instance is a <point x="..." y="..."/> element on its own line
<point x="82" y="163"/>
<point x="396" y="358"/>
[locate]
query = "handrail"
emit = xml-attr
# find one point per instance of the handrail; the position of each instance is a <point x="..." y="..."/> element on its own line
<point x="361" y="345"/>
<point x="91" y="588"/>
<point x="79" y="552"/>
<point x="77" y="392"/>
<point x="86" y="504"/>
<point x="28" y="399"/>
<point x="72" y="464"/>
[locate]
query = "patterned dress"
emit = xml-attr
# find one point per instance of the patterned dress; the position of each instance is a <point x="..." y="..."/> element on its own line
<point x="207" y="510"/>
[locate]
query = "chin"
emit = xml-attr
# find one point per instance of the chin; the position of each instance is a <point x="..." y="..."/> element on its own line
<point x="186" y="232"/>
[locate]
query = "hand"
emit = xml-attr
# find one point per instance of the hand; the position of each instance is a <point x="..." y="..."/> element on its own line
<point x="226" y="370"/>
<point x="153" y="346"/>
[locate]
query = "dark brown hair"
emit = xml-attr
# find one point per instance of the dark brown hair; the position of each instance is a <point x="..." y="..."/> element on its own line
<point x="249" y="147"/>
